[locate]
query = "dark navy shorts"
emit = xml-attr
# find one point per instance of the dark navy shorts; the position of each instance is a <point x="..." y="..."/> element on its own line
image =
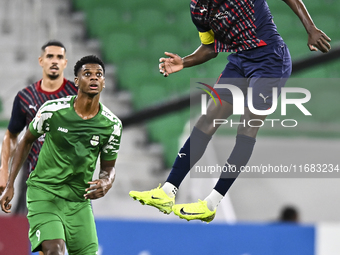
<point x="261" y="69"/>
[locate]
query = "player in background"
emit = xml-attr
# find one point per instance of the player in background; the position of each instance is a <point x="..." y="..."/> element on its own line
<point x="78" y="129"/>
<point x="53" y="85"/>
<point x="246" y="28"/>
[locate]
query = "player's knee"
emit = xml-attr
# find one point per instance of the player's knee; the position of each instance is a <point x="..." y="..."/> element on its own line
<point x="54" y="252"/>
<point x="206" y="125"/>
<point x="53" y="247"/>
<point x="247" y="130"/>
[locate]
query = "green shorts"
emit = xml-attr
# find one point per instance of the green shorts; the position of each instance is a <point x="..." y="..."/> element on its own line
<point x="51" y="217"/>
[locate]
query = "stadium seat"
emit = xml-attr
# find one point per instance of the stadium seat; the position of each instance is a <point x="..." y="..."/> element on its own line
<point x="318" y="72"/>
<point x="316" y="5"/>
<point x="102" y="21"/>
<point x="161" y="42"/>
<point x="149" y="22"/>
<point x="285" y="21"/>
<point x="166" y="126"/>
<point x="183" y="27"/>
<point x="333" y="69"/>
<point x="147" y="94"/>
<point x="167" y="130"/>
<point x="173" y="6"/>
<point x="277" y="6"/>
<point x="329" y="24"/>
<point x="85" y="5"/>
<point x="131" y="72"/>
<point x="120" y="46"/>
<point x="298" y="48"/>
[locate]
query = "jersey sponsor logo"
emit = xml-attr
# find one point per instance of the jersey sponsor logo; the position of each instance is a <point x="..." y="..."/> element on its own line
<point x="203" y="10"/>
<point x="222" y="15"/>
<point x="181" y="154"/>
<point x="264" y="98"/>
<point x="61" y="129"/>
<point x="94" y="140"/>
<point x="33" y="107"/>
<point x="106" y="114"/>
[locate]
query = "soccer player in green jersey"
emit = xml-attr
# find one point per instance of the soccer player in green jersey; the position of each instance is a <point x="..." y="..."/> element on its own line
<point x="78" y="129"/>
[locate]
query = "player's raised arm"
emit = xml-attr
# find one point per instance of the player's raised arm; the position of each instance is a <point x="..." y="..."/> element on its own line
<point x="102" y="185"/>
<point x="317" y="39"/>
<point x="20" y="156"/>
<point x="175" y="63"/>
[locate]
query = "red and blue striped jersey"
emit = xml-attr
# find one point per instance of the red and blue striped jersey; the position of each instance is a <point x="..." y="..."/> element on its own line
<point x="236" y="24"/>
<point x="25" y="106"/>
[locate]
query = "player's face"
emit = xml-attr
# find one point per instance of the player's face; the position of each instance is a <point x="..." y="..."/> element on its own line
<point x="90" y="79"/>
<point x="53" y="61"/>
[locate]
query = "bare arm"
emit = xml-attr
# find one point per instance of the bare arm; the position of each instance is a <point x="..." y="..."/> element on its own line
<point x="175" y="63"/>
<point x="316" y="38"/>
<point x="102" y="185"/>
<point x="20" y="156"/>
<point x="9" y="145"/>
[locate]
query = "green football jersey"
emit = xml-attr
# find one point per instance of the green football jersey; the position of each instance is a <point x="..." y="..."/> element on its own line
<point x="72" y="145"/>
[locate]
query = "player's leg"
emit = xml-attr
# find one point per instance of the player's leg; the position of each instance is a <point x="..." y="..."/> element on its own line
<point x="53" y="247"/>
<point x="164" y="197"/>
<point x="205" y="127"/>
<point x="273" y="61"/>
<point x="205" y="210"/>
<point x="80" y="229"/>
<point x="197" y="142"/>
<point x="239" y="157"/>
<point x="46" y="231"/>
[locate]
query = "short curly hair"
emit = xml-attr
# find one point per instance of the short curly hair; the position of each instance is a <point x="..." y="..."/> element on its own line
<point x="91" y="59"/>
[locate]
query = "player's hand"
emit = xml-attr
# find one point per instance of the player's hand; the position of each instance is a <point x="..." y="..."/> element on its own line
<point x="172" y="64"/>
<point x="98" y="188"/>
<point x="3" y="179"/>
<point x="6" y="198"/>
<point x="318" y="40"/>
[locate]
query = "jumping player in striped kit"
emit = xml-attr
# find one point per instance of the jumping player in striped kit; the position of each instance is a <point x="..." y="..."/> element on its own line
<point x="27" y="102"/>
<point x="245" y="28"/>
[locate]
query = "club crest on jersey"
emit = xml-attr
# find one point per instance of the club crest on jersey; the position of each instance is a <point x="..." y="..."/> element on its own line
<point x="94" y="140"/>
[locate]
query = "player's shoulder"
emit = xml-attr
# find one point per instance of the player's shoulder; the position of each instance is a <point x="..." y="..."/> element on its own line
<point x="31" y="88"/>
<point x="108" y="114"/>
<point x="70" y="87"/>
<point x="56" y="104"/>
<point x="70" y="83"/>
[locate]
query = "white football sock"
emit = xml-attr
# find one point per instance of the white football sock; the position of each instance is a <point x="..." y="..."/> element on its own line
<point x="213" y="199"/>
<point x="170" y="189"/>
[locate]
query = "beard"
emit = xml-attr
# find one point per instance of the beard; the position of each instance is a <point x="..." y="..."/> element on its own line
<point x="53" y="76"/>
